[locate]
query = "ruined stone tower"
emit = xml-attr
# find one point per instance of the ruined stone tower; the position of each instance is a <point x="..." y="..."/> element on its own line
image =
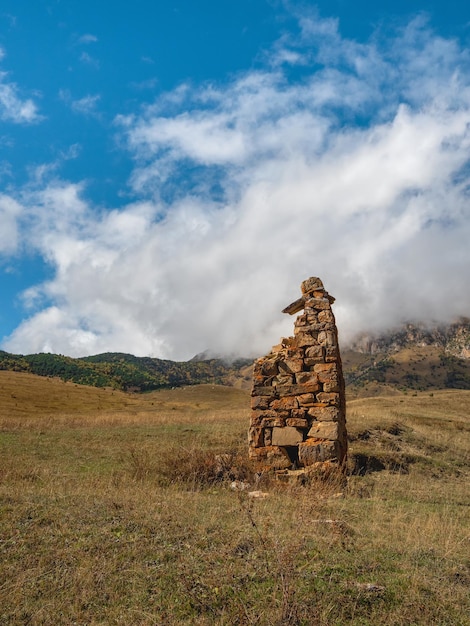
<point x="298" y="400"/>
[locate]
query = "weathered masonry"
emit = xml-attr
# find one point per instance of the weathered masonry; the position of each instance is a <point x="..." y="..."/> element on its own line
<point x="298" y="415"/>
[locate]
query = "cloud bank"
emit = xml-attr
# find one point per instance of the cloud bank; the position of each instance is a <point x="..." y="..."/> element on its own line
<point x="335" y="158"/>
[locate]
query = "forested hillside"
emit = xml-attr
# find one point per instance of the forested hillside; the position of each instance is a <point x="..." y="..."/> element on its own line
<point x="123" y="371"/>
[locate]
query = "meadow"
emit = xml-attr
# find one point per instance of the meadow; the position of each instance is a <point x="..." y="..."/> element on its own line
<point x="117" y="509"/>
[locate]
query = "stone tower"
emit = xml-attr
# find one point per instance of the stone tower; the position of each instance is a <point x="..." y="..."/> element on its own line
<point x="298" y="415"/>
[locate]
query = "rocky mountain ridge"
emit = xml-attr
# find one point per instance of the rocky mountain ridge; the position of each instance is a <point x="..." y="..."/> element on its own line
<point x="453" y="339"/>
<point x="414" y="357"/>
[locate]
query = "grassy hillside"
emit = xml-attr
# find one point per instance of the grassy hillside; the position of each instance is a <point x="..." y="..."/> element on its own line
<point x="413" y="368"/>
<point x="413" y="357"/>
<point x="123" y="371"/>
<point x="116" y="509"/>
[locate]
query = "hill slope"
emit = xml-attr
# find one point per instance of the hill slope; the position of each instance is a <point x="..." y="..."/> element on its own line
<point x="123" y="371"/>
<point x="413" y="357"/>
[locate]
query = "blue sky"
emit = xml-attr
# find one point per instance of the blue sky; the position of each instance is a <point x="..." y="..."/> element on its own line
<point x="171" y="171"/>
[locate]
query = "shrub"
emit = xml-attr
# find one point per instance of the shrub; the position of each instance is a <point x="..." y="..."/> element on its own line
<point x="193" y="466"/>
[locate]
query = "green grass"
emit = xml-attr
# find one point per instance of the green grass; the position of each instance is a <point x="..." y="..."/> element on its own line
<point x="112" y="512"/>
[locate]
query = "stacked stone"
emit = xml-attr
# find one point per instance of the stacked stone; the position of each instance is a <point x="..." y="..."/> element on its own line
<point x="298" y="399"/>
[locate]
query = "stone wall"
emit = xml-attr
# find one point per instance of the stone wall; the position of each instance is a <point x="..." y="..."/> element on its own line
<point x="298" y="415"/>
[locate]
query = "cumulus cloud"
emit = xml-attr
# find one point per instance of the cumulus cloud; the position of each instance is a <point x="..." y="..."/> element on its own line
<point x="340" y="159"/>
<point x="13" y="108"/>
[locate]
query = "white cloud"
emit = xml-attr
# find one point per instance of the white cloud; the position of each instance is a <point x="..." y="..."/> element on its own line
<point x="356" y="171"/>
<point x="72" y="152"/>
<point x="12" y="107"/>
<point x="89" y="60"/>
<point x="10" y="211"/>
<point x="87" y="38"/>
<point x="84" y="106"/>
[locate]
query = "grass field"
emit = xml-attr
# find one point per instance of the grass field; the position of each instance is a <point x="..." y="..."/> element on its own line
<point x="114" y="509"/>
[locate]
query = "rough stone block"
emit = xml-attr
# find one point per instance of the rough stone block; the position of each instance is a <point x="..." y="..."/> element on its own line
<point x="297" y="390"/>
<point x="263" y="391"/>
<point x="308" y="388"/>
<point x="278" y="421"/>
<point x="260" y="414"/>
<point x="284" y="404"/>
<point x="327" y="377"/>
<point x="327" y="326"/>
<point x="325" y="413"/>
<point x="304" y="339"/>
<point x="269" y="368"/>
<point x="314" y="329"/>
<point x="283" y="380"/>
<point x="297" y="422"/>
<point x="306" y="378"/>
<point x="301" y="320"/>
<point x="291" y="366"/>
<point x="287" y="436"/>
<point x="327" y="338"/>
<point x="312" y="318"/>
<point x="314" y="352"/>
<point x="287" y="341"/>
<point x="310" y="362"/>
<point x="324" y="430"/>
<point x="259" y="402"/>
<point x="312" y="451"/>
<point x="294" y="352"/>
<point x="318" y="304"/>
<point x="325" y="367"/>
<point x="256" y="437"/>
<point x="326" y="316"/>
<point x="257" y="365"/>
<point x="306" y="399"/>
<point x="328" y="398"/>
<point x="331" y="354"/>
<point x="259" y="380"/>
<point x="311" y="284"/>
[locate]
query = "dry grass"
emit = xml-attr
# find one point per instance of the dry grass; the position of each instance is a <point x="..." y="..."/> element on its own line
<point x="96" y="529"/>
<point x="413" y="368"/>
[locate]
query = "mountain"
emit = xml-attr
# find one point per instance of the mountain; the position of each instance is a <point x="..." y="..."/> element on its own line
<point x="124" y="371"/>
<point x="453" y="339"/>
<point x="412" y="357"/>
